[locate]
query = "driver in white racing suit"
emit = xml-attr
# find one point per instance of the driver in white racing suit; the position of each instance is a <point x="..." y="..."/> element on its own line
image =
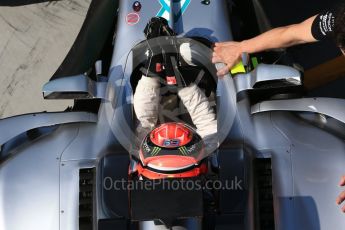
<point x="147" y="95"/>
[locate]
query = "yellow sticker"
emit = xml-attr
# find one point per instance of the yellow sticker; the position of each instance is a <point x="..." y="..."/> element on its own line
<point x="239" y="68"/>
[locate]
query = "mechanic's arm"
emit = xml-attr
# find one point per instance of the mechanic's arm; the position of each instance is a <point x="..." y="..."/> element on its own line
<point x="281" y="37"/>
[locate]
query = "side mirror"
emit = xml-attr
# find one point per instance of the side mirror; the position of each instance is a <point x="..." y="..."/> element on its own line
<point x="74" y="87"/>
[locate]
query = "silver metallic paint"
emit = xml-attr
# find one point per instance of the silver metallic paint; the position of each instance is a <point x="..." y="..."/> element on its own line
<point x="328" y="106"/>
<point x="266" y="73"/>
<point x="306" y="160"/>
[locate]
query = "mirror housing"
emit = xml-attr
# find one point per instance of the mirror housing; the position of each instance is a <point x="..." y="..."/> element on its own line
<point x="74" y="87"/>
<point x="267" y="76"/>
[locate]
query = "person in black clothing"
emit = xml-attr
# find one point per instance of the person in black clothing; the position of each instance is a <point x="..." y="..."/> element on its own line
<point x="327" y="25"/>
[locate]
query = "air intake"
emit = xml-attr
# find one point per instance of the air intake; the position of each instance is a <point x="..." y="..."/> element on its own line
<point x="264" y="194"/>
<point x="86" y="195"/>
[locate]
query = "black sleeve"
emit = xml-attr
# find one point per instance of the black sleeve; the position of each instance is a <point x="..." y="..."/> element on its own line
<point x="323" y="25"/>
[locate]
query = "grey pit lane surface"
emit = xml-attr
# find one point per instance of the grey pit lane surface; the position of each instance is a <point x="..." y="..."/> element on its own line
<point x="34" y="40"/>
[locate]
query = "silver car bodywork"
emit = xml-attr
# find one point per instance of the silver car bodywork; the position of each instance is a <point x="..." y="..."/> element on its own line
<point x="39" y="185"/>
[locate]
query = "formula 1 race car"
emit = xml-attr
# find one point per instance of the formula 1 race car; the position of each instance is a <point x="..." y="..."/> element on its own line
<point x="276" y="165"/>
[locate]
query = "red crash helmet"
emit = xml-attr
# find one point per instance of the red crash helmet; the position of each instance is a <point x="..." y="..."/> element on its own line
<point x="171" y="150"/>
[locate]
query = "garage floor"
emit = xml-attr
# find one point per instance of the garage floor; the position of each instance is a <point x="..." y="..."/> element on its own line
<point x="34" y="40"/>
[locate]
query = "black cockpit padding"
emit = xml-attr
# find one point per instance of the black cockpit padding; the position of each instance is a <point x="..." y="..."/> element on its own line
<point x="114" y="169"/>
<point x="167" y="203"/>
<point x="112" y="224"/>
<point x="233" y="198"/>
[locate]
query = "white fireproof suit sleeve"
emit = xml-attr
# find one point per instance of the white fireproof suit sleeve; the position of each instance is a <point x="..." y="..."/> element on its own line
<point x="146" y="105"/>
<point x="202" y="115"/>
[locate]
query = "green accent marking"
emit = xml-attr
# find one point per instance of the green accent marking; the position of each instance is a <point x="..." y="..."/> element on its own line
<point x="239" y="68"/>
<point x="158" y="150"/>
<point x="182" y="151"/>
<point x="185" y="151"/>
<point x="255" y="62"/>
<point x="155" y="151"/>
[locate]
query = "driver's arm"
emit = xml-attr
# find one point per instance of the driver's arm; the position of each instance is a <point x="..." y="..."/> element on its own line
<point x="281" y="37"/>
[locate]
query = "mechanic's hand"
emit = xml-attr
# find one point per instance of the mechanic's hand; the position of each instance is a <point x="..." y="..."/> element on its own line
<point x="228" y="53"/>
<point x="341" y="196"/>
